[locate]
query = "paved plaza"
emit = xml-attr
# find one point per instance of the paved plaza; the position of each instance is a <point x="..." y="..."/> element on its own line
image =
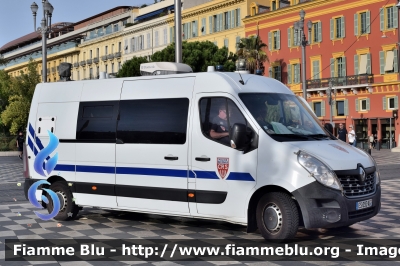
<point x="17" y="220"/>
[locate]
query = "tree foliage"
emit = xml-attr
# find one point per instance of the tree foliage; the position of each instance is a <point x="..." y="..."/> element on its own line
<point x="19" y="92"/>
<point x="252" y="49"/>
<point x="198" y="55"/>
<point x="131" y="68"/>
<point x="3" y="61"/>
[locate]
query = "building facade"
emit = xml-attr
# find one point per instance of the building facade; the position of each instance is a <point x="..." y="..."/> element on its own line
<point x="353" y="46"/>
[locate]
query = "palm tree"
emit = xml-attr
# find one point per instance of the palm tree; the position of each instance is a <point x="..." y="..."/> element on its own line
<point x="252" y="49"/>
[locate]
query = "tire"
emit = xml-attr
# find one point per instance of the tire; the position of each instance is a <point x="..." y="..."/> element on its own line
<point x="68" y="209"/>
<point x="277" y="216"/>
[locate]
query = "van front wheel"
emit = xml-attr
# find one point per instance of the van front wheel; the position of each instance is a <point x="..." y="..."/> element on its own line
<point x="277" y="216"/>
<point x="68" y="209"/>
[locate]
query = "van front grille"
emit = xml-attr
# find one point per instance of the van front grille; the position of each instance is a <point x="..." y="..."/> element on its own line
<point x="352" y="187"/>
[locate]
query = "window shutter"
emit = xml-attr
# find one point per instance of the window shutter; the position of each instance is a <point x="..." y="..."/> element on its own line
<point x="210" y="19"/>
<point x="320" y="31"/>
<point x="226" y="43"/>
<point x="148" y="40"/>
<point x="289" y="31"/>
<point x="395" y="63"/>
<point x="382" y="62"/>
<point x="382" y="19"/>
<point x="332" y="67"/>
<point x="132" y="43"/>
<point x="237" y="42"/>
<point x="344" y="66"/>
<point x="297" y="67"/>
<point x="289" y="74"/>
<point x="216" y="22"/>
<point x="315" y="69"/>
<point x="368" y="22"/>
<point x="228" y="23"/>
<point x="395" y="17"/>
<point x="332" y="30"/>
<point x="238" y="16"/>
<point x="170" y="35"/>
<point x="396" y="102"/>
<point x="279" y="75"/>
<point x="346" y="107"/>
<point x="343" y="31"/>
<point x="384" y="103"/>
<point x="356" y="24"/>
<point x="357" y="103"/>
<point x="270" y="41"/>
<point x="323" y="108"/>
<point x="356" y="64"/>
<point x="221" y="26"/>
<point x="232" y="18"/>
<point x="369" y="64"/>
<point x="368" y="104"/>
<point x="278" y="42"/>
<point x="295" y="37"/>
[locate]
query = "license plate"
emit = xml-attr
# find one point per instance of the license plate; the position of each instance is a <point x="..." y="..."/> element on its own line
<point x="363" y="204"/>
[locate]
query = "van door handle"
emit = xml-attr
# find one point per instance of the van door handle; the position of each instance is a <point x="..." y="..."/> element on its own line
<point x="202" y="159"/>
<point x="171" y="158"/>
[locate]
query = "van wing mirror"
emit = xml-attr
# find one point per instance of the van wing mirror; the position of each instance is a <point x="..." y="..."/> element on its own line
<point x="239" y="136"/>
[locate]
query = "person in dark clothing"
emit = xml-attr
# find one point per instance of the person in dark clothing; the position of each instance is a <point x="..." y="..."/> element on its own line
<point x="219" y="128"/>
<point x="20" y="143"/>
<point x="342" y="133"/>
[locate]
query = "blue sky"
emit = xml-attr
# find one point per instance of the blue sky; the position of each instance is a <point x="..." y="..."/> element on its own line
<point x="16" y="19"/>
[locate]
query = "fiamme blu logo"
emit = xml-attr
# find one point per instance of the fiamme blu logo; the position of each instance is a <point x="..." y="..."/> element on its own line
<point x="44" y="165"/>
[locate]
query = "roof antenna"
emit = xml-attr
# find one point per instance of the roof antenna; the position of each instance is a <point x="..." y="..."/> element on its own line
<point x="241" y="79"/>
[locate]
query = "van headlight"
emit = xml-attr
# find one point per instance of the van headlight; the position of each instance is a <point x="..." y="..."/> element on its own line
<point x="320" y="171"/>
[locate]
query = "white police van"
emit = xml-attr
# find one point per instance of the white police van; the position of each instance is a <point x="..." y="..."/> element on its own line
<point x="223" y="146"/>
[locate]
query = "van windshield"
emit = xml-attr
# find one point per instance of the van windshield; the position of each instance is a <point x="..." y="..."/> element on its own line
<point x="284" y="117"/>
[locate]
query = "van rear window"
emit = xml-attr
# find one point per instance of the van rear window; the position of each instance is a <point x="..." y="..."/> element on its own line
<point x="104" y="111"/>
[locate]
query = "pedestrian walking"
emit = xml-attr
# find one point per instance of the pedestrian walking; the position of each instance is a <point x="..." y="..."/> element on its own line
<point x="20" y="143"/>
<point x="352" y="136"/>
<point x="371" y="142"/>
<point x="342" y="133"/>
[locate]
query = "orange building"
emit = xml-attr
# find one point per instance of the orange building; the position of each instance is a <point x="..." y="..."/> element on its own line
<point x="353" y="44"/>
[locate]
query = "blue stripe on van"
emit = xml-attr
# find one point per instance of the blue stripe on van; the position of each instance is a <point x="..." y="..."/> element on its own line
<point x="95" y="169"/>
<point x="240" y="177"/>
<point x="65" y="167"/>
<point x="152" y="171"/>
<point x="206" y="175"/>
<point x="30" y="144"/>
<point x="31" y="130"/>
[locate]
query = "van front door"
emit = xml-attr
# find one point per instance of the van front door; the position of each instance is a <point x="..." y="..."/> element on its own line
<point x="222" y="176"/>
<point x="152" y="145"/>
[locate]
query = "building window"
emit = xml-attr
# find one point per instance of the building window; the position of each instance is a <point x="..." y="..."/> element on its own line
<point x="388" y="61"/>
<point x="362" y="64"/>
<point x="363" y="24"/>
<point x="341" y="108"/>
<point x="293" y="73"/>
<point x="388" y="18"/>
<point x="165" y="36"/>
<point x="316" y="32"/>
<point x="315" y="69"/>
<point x="362" y="104"/>
<point x="390" y="103"/>
<point x="319" y="109"/>
<point x="253" y="11"/>
<point x="337" y="28"/>
<point x="97" y="52"/>
<point x="273" y="5"/>
<point x="156" y="37"/>
<point x="119" y="46"/>
<point x="274" y="41"/>
<point x="275" y="72"/>
<point x="106" y="50"/>
<point x="293" y="37"/>
<point x="226" y="43"/>
<point x="338" y="67"/>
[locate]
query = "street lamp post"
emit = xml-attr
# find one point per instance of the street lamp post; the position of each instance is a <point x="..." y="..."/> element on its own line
<point x="330" y="92"/>
<point x="44" y="29"/>
<point x="299" y="26"/>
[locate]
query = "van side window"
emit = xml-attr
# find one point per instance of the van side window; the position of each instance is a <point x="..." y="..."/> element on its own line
<point x="218" y="115"/>
<point x="155" y="121"/>
<point x="97" y="121"/>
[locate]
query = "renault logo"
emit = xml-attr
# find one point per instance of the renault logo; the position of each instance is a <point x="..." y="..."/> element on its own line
<point x="361" y="174"/>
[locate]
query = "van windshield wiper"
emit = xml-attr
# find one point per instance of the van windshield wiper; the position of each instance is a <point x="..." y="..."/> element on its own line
<point x="293" y="136"/>
<point x="318" y="136"/>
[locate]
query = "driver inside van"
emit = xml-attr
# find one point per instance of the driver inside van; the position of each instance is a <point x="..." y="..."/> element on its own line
<point x="219" y="128"/>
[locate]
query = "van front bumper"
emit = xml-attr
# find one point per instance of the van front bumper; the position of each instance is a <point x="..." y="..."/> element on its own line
<point x="323" y="207"/>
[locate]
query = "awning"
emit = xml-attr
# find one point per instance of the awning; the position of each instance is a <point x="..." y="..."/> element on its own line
<point x="363" y="65"/>
<point x="389" y="61"/>
<point x="154" y="13"/>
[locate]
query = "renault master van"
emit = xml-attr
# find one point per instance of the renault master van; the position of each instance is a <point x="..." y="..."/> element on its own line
<point x="222" y="146"/>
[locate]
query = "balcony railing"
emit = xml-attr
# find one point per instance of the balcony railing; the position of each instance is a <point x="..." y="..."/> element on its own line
<point x="104" y="58"/>
<point x="83" y="63"/>
<point x="340" y="81"/>
<point x="89" y="61"/>
<point x="95" y="60"/>
<point x="110" y="56"/>
<point x="76" y="64"/>
<point x="117" y="54"/>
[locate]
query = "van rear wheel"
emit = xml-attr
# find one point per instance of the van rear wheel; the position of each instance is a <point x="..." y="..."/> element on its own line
<point x="68" y="209"/>
<point x="277" y="216"/>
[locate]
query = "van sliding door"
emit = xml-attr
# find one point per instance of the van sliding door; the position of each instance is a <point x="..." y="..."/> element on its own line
<point x="152" y="145"/>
